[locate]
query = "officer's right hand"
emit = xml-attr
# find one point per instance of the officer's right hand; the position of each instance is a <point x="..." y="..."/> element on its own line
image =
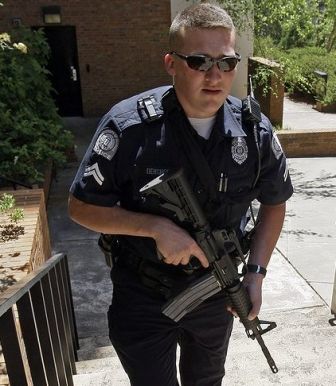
<point x="176" y="245"/>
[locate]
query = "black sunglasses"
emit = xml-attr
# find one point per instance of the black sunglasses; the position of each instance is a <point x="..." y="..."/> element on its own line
<point x="204" y="62"/>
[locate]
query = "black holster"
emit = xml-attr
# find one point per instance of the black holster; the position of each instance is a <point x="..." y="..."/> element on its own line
<point x="109" y="246"/>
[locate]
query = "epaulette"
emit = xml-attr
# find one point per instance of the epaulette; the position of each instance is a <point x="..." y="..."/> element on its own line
<point x="144" y="107"/>
<point x="148" y="110"/>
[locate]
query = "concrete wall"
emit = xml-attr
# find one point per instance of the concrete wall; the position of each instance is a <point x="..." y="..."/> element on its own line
<point x="177" y="5"/>
<point x="244" y="46"/>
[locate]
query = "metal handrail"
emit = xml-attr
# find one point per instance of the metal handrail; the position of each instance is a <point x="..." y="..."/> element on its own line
<point x="37" y="325"/>
<point x="9" y="297"/>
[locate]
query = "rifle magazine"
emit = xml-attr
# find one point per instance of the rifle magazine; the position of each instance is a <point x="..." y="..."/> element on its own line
<point x="191" y="297"/>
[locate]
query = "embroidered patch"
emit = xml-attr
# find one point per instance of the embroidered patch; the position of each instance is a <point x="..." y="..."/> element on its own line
<point x="94" y="171"/>
<point x="107" y="144"/>
<point x="276" y="146"/>
<point x="239" y="150"/>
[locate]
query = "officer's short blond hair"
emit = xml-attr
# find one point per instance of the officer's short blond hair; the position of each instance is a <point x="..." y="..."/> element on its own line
<point x="203" y="15"/>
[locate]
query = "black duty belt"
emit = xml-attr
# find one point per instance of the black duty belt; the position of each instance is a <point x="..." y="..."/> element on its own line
<point x="160" y="277"/>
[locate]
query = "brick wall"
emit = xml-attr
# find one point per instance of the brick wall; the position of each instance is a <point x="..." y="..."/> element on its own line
<point x="121" y="41"/>
<point x="303" y="143"/>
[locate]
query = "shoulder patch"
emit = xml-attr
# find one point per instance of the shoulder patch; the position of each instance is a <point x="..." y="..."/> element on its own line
<point x="107" y="143"/>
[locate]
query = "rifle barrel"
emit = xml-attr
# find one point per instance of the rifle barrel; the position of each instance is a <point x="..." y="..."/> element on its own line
<point x="267" y="354"/>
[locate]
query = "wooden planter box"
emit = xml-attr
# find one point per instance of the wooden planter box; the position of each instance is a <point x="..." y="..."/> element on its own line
<point x="21" y="255"/>
<point x="27" y="251"/>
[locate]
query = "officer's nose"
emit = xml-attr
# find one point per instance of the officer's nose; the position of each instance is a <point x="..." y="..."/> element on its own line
<point x="213" y="74"/>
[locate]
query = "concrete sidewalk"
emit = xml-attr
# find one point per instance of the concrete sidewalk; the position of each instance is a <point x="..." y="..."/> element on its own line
<point x="303" y="116"/>
<point x="297" y="290"/>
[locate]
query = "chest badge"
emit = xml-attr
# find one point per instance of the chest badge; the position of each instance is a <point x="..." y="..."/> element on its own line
<point x="107" y="144"/>
<point x="239" y="150"/>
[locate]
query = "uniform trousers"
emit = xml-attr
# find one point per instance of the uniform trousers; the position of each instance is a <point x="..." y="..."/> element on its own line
<point x="146" y="340"/>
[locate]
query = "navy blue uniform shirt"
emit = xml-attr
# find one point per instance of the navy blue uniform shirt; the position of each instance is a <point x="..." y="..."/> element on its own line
<point x="127" y="152"/>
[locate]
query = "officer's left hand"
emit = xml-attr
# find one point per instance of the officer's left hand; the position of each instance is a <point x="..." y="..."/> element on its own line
<point x="253" y="283"/>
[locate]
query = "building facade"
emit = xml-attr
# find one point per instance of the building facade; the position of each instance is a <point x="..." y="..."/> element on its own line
<point x="103" y="51"/>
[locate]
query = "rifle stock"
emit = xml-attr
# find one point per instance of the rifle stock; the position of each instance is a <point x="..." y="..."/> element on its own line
<point x="173" y="193"/>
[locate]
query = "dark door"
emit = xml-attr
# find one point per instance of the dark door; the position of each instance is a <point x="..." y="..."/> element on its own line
<point x="64" y="69"/>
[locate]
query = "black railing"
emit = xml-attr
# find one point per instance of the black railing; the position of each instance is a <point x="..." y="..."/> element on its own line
<point x="37" y="327"/>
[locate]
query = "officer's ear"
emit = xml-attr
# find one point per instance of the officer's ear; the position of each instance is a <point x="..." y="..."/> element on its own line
<point x="170" y="64"/>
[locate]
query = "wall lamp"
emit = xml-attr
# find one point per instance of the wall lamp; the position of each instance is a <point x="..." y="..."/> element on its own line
<point x="324" y="77"/>
<point x="51" y="14"/>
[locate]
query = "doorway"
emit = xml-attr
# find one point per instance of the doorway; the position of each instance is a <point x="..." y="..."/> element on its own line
<point x="64" y="69"/>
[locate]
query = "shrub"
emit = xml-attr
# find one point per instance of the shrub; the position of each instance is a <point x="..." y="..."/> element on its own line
<point x="30" y="129"/>
<point x="299" y="65"/>
<point x="9" y="228"/>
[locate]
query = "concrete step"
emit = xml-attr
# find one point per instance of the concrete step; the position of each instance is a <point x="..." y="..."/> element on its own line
<point x="303" y="348"/>
<point x="96" y="353"/>
<point x="94" y="341"/>
<point x="100" y="372"/>
<point x="98" y="365"/>
<point x="105" y="378"/>
<point x="104" y="372"/>
<point x="95" y="347"/>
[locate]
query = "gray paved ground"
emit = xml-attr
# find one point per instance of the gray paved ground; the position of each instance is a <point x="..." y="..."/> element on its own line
<point x="299" y="115"/>
<point x="297" y="290"/>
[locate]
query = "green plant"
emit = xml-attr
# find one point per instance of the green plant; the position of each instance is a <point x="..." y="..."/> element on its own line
<point x="241" y="12"/>
<point x="262" y="78"/>
<point x="9" y="228"/>
<point x="299" y="65"/>
<point x="7" y="206"/>
<point x="30" y="129"/>
<point x="296" y="23"/>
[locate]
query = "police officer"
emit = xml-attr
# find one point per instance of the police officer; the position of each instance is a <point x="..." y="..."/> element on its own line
<point x="195" y="125"/>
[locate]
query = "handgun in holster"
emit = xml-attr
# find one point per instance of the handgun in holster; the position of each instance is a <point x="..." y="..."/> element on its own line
<point x="106" y="243"/>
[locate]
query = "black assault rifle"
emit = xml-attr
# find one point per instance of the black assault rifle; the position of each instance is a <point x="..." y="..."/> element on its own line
<point x="172" y="192"/>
